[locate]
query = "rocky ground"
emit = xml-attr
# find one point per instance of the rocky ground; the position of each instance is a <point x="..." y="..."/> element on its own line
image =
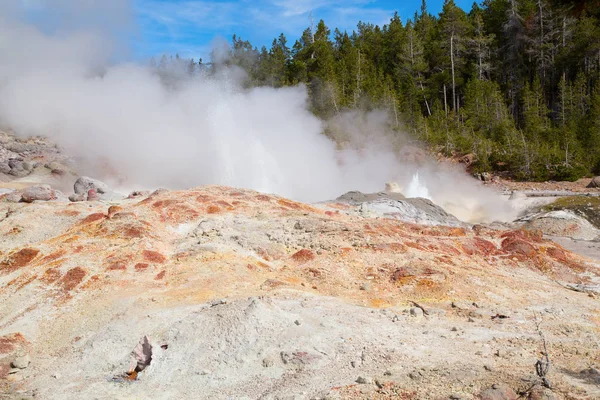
<point x="219" y="292"/>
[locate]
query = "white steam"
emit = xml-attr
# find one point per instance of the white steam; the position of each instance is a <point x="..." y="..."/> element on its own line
<point x="204" y="130"/>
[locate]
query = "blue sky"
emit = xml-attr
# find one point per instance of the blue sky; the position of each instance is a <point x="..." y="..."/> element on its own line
<point x="190" y="27"/>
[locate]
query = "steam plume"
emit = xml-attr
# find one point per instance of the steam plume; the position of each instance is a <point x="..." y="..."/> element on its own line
<point x="61" y="83"/>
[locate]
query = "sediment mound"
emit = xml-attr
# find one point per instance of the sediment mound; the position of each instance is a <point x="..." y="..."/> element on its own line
<point x="395" y="205"/>
<point x="561" y="223"/>
<point x="219" y="292"/>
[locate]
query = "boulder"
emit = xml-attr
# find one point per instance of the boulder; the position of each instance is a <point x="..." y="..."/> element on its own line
<point x="41" y="193"/>
<point x="20" y="168"/>
<point x="83" y="184"/>
<point x="595" y="183"/>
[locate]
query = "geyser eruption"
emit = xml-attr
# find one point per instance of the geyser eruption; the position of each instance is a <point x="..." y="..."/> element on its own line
<point x="201" y="129"/>
<point x="416" y="188"/>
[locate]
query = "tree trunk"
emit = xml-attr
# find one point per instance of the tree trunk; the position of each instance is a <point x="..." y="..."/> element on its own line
<point x="445" y="101"/>
<point x="452" y="65"/>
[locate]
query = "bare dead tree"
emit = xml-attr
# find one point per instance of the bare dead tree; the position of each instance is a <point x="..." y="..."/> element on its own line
<point x="542" y="366"/>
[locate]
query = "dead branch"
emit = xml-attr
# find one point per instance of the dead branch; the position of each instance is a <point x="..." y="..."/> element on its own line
<point x="419" y="306"/>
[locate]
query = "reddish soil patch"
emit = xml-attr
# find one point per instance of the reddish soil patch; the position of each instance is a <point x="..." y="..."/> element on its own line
<point x="303" y="256"/>
<point x="68" y="213"/>
<point x="391" y="247"/>
<point x="112" y="210"/>
<point x="160" y="275"/>
<point x="530" y="236"/>
<point x="291" y="204"/>
<point x="141" y="267"/>
<point x="134" y="232"/>
<point x="415" y="246"/>
<point x="117" y="266"/>
<point x="212" y="209"/>
<point x="225" y="204"/>
<point x="402" y="273"/>
<point x="53" y="256"/>
<point x="562" y="257"/>
<point x="154" y="257"/>
<point x="93" y="217"/>
<point x="203" y="198"/>
<point x="51" y="275"/>
<point x="164" y="203"/>
<point x="262" y="197"/>
<point x="515" y="245"/>
<point x="73" y="278"/>
<point x="19" y="259"/>
<point x="8" y="342"/>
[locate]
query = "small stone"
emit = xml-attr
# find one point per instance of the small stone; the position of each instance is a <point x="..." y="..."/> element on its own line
<point x="297" y="322"/>
<point x="591" y="371"/>
<point x="13" y="371"/>
<point x="364" y="380"/>
<point x="205" y="372"/>
<point x="267" y="362"/>
<point x="21" y="362"/>
<point x="455" y="396"/>
<point x="92" y="195"/>
<point x="495" y="386"/>
<point x="75" y="197"/>
<point x="416" y="312"/>
<point x="365" y="286"/>
<point x="218" y="302"/>
<point x="470" y="320"/>
<point x="14" y="378"/>
<point x="454" y="329"/>
<point x="487" y="368"/>
<point x="56" y="375"/>
<point x="353" y="364"/>
<point x="387" y="373"/>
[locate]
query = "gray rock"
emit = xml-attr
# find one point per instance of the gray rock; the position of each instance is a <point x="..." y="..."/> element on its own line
<point x="78" y="197"/>
<point x="84" y="183"/>
<point x="595" y="183"/>
<point x="416" y="312"/>
<point x="4" y="167"/>
<point x="14" y="197"/>
<point x="414" y="210"/>
<point x="19" y="168"/>
<point x="41" y="193"/>
<point x="364" y="380"/>
<point x="21" y="362"/>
